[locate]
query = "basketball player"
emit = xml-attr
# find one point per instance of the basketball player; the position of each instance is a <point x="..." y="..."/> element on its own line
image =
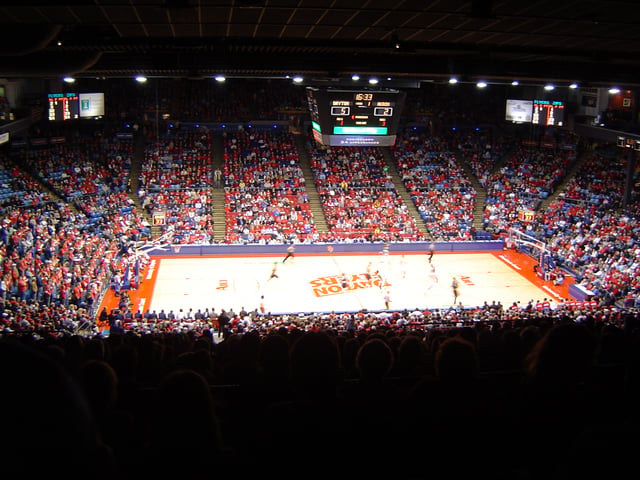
<point x="274" y="273"/>
<point x="455" y="288"/>
<point x="432" y="276"/>
<point x="368" y="271"/>
<point x="432" y="248"/>
<point x="378" y="276"/>
<point x="290" y="252"/>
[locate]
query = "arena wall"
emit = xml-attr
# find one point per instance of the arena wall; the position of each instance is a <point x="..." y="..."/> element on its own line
<point x="318" y="248"/>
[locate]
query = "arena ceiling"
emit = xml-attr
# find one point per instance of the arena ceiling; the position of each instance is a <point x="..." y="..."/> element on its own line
<point x="593" y="42"/>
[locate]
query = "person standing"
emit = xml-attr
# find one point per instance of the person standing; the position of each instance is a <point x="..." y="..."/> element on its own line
<point x="387" y="300"/>
<point x="378" y="279"/>
<point x="223" y="324"/>
<point x="455" y="287"/>
<point x="290" y="252"/>
<point x="344" y="282"/>
<point x="261" y="307"/>
<point x="432" y="249"/>
<point x="433" y="278"/>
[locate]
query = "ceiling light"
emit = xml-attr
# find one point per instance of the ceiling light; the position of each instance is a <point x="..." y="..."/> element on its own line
<point x="573" y="86"/>
<point x="220" y="78"/>
<point x="373" y="80"/>
<point x="68" y="79"/>
<point x="297" y="79"/>
<point x="453" y="80"/>
<point x="548" y="87"/>
<point x="355" y="77"/>
<point x="614" y="90"/>
<point x="481" y="84"/>
<point x="141" y="79"/>
<point x="515" y="83"/>
<point x="396" y="41"/>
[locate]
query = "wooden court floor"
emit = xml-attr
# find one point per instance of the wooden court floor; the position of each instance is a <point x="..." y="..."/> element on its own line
<point x="338" y="282"/>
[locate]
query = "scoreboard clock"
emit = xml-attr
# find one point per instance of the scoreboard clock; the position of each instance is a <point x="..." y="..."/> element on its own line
<point x="355" y="117"/>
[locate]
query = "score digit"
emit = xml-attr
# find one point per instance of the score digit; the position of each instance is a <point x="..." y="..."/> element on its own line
<point x="383" y="111"/>
<point x="340" y="111"/>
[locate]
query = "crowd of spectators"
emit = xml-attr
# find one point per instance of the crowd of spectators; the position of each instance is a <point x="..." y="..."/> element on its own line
<point x="525" y="177"/>
<point x="548" y="390"/>
<point x="176" y="178"/>
<point x="68" y="226"/>
<point x="358" y="195"/>
<point x="589" y="232"/>
<point x="555" y="382"/>
<point x="265" y="197"/>
<point x="438" y="185"/>
<point x="265" y="190"/>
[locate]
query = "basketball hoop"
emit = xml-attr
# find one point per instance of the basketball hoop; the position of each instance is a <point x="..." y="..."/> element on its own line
<point x="176" y="248"/>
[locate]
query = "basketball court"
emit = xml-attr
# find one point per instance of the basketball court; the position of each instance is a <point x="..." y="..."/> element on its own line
<point x="338" y="282"/>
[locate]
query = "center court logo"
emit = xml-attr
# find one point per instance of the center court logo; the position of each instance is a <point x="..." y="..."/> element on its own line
<point x="332" y="285"/>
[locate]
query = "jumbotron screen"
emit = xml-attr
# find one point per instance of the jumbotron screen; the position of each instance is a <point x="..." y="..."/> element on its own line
<point x="518" y="111"/>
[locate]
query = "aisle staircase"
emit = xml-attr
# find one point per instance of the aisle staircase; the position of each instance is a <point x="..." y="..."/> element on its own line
<point x="134" y="181"/>
<point x="404" y="193"/>
<point x="481" y="196"/>
<point x="582" y="158"/>
<point x="481" y="192"/>
<point x="310" y="185"/>
<point x="218" y="213"/>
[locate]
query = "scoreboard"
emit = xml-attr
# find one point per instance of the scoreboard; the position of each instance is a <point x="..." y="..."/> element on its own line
<point x="548" y="112"/>
<point x="71" y="106"/>
<point x="355" y="117"/>
<point x="63" y="106"/>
